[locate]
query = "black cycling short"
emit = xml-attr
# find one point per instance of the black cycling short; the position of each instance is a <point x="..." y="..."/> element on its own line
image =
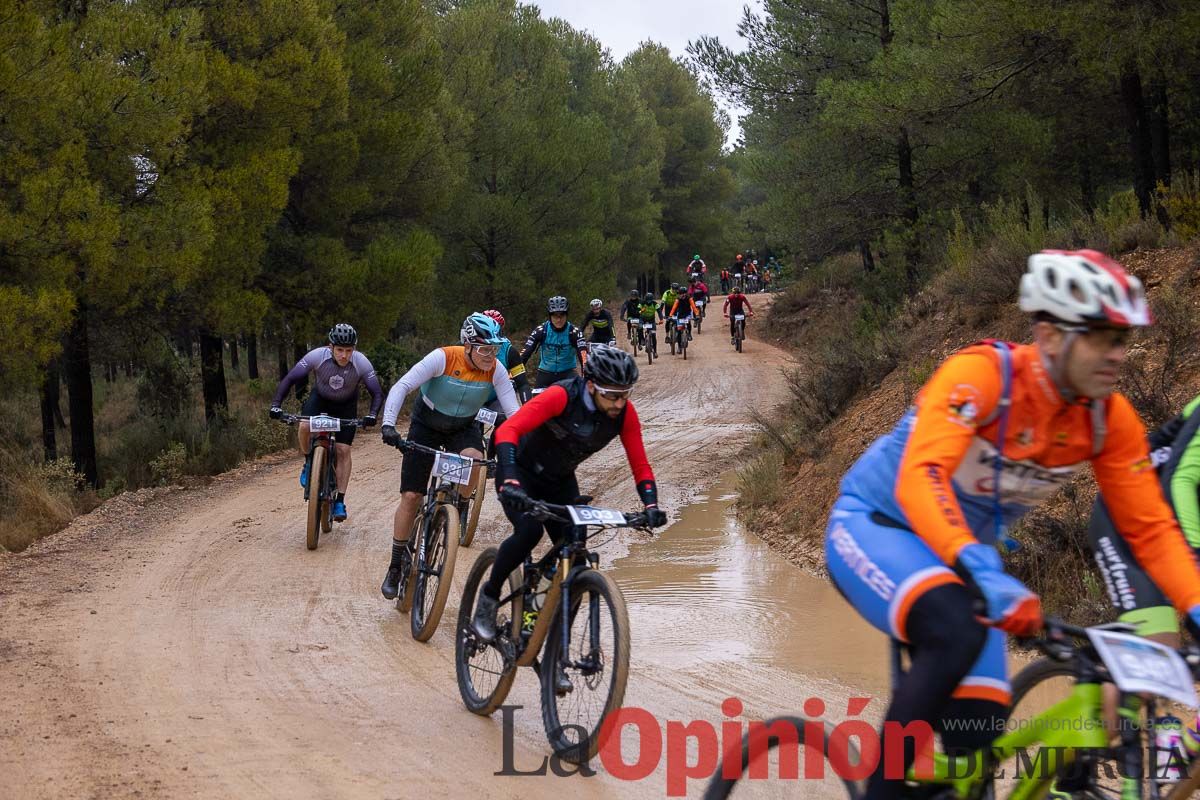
<point x="346" y="409"/>
<point x="414" y="473"/>
<point x="1137" y="599"/>
<point x="546" y="378"/>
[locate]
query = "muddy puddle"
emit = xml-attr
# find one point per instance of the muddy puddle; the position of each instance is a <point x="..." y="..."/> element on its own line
<point x="708" y="594"/>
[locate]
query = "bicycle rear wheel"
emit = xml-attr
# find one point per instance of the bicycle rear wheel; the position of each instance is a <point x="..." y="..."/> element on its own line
<point x="754" y="757"/>
<point x="485" y="673"/>
<point x="316" y="485"/>
<point x="597" y="664"/>
<point x="329" y="482"/>
<point x="433" y="580"/>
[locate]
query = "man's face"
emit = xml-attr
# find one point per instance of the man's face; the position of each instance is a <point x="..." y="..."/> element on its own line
<point x="558" y="319"/>
<point x="342" y="354"/>
<point x="1094" y="361"/>
<point x="483" y="355"/>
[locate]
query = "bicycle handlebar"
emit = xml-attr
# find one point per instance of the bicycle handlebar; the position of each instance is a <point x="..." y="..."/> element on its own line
<point x="292" y="419"/>
<point x="543" y="510"/>
<point x="405" y="445"/>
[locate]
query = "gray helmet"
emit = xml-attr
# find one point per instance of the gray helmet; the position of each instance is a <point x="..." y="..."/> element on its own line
<point x="634" y="294"/>
<point x="343" y="335"/>
<point x="557" y="304"/>
<point x="610" y="366"/>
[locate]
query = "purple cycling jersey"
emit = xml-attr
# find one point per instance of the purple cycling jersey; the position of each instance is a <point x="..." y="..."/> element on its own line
<point x="334" y="383"/>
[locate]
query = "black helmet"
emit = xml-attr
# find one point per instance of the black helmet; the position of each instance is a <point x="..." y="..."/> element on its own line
<point x="648" y="297"/>
<point x="633" y="294"/>
<point x="343" y="335"/>
<point x="557" y="304"/>
<point x="610" y="366"/>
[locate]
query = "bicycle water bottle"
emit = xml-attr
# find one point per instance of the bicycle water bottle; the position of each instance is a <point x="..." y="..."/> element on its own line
<point x="1168" y="746"/>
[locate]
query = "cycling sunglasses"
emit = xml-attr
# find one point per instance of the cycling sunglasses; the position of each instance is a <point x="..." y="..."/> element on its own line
<point x="486" y="349"/>
<point x="613" y="394"/>
<point x="1107" y="338"/>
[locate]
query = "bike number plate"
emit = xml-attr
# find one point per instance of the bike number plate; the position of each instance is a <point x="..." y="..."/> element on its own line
<point x="738" y="317"/>
<point x="453" y="468"/>
<point x="487" y="416"/>
<point x="324" y="424"/>
<point x="1140" y="665"/>
<point x="589" y="515"/>
<point x="648" y="326"/>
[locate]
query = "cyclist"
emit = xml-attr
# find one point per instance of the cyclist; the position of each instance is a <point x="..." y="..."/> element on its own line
<point x="683" y="311"/>
<point x="698" y="290"/>
<point x="541" y="447"/>
<point x="736" y="303"/>
<point x="561" y="342"/>
<point x="726" y="280"/>
<point x="601" y="321"/>
<point x="339" y="369"/>
<point x="629" y="312"/>
<point x="509" y="358"/>
<point x="738" y="270"/>
<point x="920" y="511"/>
<point x="453" y="383"/>
<point x="1175" y="455"/>
<point x="647" y="312"/>
<point x="697" y="268"/>
<point x="752" y="276"/>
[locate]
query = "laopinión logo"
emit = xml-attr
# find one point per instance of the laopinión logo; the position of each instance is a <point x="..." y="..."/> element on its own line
<point x="851" y="750"/>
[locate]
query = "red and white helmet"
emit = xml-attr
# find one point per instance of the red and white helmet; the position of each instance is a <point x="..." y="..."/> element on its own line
<point x="1083" y="286"/>
<point x="496" y="315"/>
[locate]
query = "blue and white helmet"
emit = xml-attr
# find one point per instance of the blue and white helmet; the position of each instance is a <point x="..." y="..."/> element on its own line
<point x="480" y="329"/>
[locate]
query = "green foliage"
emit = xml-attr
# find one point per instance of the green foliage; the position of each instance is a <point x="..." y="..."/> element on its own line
<point x="168" y="466"/>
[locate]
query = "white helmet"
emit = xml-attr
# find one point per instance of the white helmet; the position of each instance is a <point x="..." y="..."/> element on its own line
<point x="1083" y="286"/>
<point x="596" y="302"/>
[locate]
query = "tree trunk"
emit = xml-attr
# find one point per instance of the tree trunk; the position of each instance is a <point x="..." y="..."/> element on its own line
<point x="212" y="374"/>
<point x="281" y="355"/>
<point x="1160" y="131"/>
<point x="77" y="364"/>
<point x="1138" y="126"/>
<point x="233" y="356"/>
<point x="868" y="260"/>
<point x="128" y="369"/>
<point x="908" y="200"/>
<point x="252" y="355"/>
<point x="49" y="411"/>
<point x="1087" y="183"/>
<point x="298" y="352"/>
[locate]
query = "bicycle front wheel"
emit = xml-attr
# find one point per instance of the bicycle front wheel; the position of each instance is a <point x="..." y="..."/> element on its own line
<point x="485" y="673"/>
<point x="329" y="482"/>
<point x="471" y="523"/>
<point x="316" y="485"/>
<point x="596" y="663"/>
<point x="780" y="734"/>
<point x="433" y="577"/>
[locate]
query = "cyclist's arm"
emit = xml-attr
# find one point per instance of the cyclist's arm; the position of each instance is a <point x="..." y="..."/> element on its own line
<point x="536" y="336"/>
<point x="370" y="380"/>
<point x="748" y="306"/>
<point x="427" y="368"/>
<point x="584" y="324"/>
<point x="1135" y="501"/>
<point x="580" y="346"/>
<point x="1185" y="482"/>
<point x="635" y="452"/>
<point x="536" y="412"/>
<point x="725" y="310"/>
<point x="296" y="374"/>
<point x="504" y="391"/>
<point x="674" y="308"/>
<point x="937" y="443"/>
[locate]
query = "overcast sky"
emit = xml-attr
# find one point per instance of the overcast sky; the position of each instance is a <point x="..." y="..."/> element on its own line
<point x="621" y="25"/>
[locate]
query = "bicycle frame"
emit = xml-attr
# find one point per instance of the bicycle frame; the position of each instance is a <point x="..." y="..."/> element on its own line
<point x="1073" y="724"/>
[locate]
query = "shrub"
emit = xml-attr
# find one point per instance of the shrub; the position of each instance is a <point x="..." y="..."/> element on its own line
<point x="168" y="466"/>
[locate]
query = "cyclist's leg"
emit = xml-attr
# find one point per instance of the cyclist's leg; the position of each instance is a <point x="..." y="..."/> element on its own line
<point x="414" y="477"/>
<point x="470" y="443"/>
<point x="902" y="588"/>
<point x="344" y="440"/>
<point x="527" y="530"/>
<point x="310" y="408"/>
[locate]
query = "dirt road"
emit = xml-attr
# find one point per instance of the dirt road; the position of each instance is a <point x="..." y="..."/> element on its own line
<point x="183" y="643"/>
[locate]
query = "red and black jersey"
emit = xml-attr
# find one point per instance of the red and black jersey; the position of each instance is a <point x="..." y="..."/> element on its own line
<point x="556" y="431"/>
<point x="736" y="304"/>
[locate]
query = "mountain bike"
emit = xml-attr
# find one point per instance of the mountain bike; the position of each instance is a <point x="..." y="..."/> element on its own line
<point x="737" y="282"/>
<point x="433" y="539"/>
<point x="700" y="317"/>
<point x="321" y="462"/>
<point x="682" y="334"/>
<point x="470" y="506"/>
<point x="564" y="601"/>
<point x="650" y="340"/>
<point x="1072" y="733"/>
<point x="739" y="331"/>
<point x="635" y="336"/>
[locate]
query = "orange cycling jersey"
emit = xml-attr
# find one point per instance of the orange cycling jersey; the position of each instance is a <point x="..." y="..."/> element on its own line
<point x="935" y="473"/>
